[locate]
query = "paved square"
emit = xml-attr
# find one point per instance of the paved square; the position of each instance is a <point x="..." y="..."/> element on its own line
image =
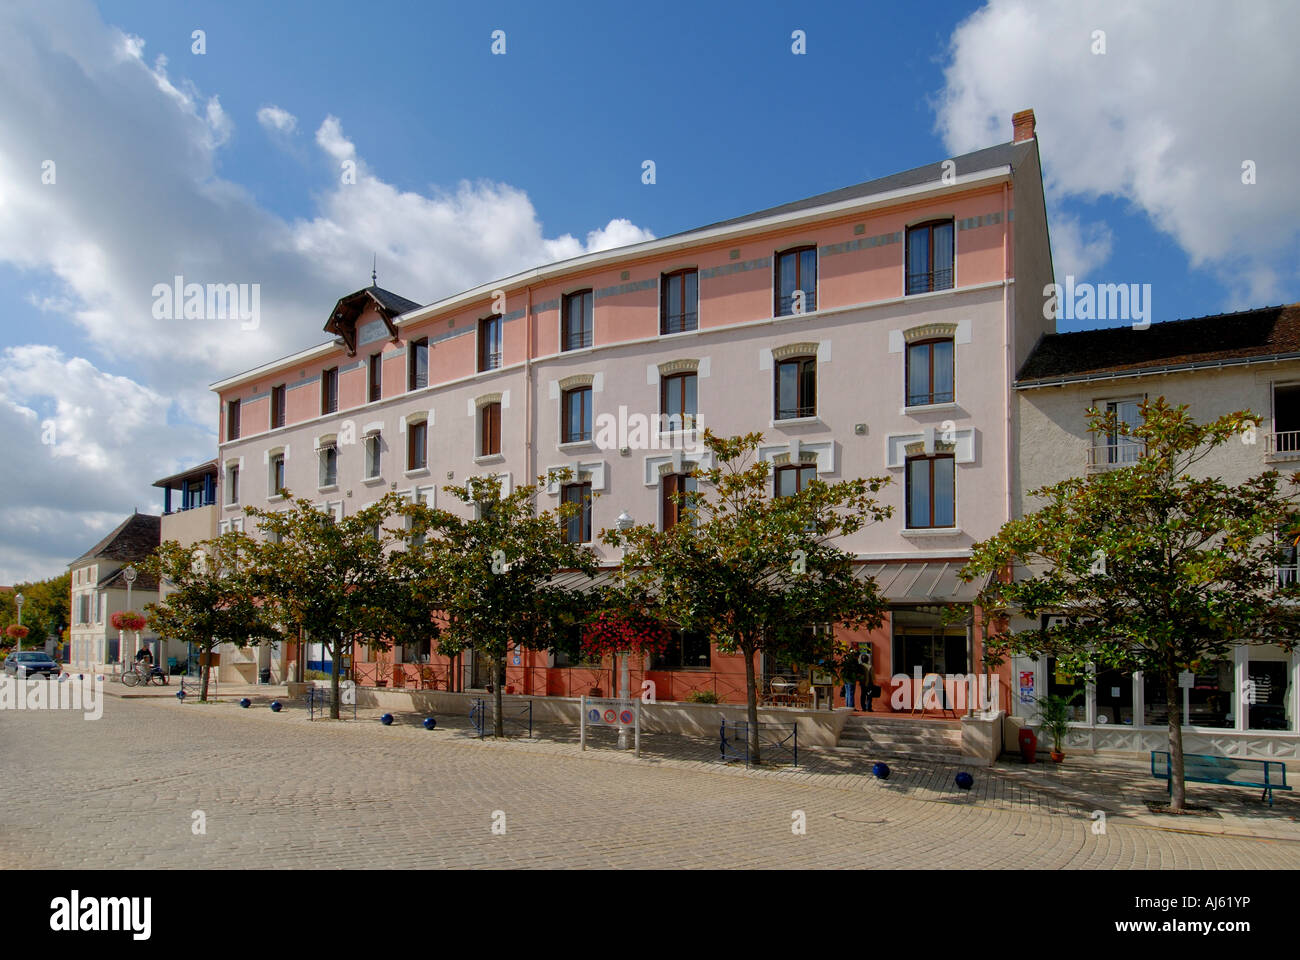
<point x="279" y="791"/>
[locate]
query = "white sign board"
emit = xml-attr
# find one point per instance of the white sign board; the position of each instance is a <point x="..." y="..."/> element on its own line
<point x="610" y="712"/>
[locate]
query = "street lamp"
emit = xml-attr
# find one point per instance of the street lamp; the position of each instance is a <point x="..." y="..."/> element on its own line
<point x="129" y="576"/>
<point x="623" y="524"/>
<point x="18" y="641"/>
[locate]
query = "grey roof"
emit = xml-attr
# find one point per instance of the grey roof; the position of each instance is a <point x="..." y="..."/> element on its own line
<point x="210" y="467"/>
<point x="922" y="582"/>
<point x="898" y="582"/>
<point x="1004" y="154"/>
<point x="1221" y="339"/>
<point x="132" y="539"/>
<point x="392" y="301"/>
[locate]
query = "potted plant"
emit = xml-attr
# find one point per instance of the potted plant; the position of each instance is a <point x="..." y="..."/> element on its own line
<point x="1054" y="715"/>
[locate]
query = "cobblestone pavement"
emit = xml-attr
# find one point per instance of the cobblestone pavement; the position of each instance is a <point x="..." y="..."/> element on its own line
<point x="278" y="790"/>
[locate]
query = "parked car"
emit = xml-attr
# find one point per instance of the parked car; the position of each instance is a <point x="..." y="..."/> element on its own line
<point x="28" y="662"/>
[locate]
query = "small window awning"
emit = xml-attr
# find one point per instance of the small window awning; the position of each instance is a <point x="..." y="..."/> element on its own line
<point x="922" y="582"/>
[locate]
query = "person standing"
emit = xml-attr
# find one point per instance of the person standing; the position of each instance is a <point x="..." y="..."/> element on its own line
<point x="850" y="673"/>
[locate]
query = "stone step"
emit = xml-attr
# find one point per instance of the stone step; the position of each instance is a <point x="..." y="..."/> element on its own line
<point x="937" y="737"/>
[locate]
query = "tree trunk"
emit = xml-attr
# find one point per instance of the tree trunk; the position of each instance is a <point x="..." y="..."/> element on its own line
<point x="498" y="721"/>
<point x="1177" y="786"/>
<point x="751" y="703"/>
<point x="204" y="671"/>
<point x="337" y="655"/>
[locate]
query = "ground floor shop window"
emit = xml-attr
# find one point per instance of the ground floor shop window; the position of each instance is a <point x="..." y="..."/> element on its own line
<point x="1211" y="699"/>
<point x="1074" y="689"/>
<point x="685" y="649"/>
<point x="1207" y="702"/>
<point x="922" y="641"/>
<point x="1114" y="697"/>
<point x="1267" y="689"/>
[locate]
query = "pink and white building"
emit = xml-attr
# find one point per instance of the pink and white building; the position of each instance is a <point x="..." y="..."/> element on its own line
<point x="873" y="330"/>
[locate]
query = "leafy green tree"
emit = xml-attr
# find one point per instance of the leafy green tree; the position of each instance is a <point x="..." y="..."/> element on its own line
<point x="491" y="574"/>
<point x="344" y="584"/>
<point x="208" y="602"/>
<point x="1153" y="567"/>
<point x="45" y="608"/>
<point x="753" y="571"/>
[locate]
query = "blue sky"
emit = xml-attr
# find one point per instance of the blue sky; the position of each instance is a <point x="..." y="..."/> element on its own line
<point x="473" y="166"/>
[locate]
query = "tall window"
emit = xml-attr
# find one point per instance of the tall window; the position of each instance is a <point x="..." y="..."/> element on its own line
<point x="929" y="257"/>
<point x="277" y="474"/>
<point x="417" y="445"/>
<point x="232" y="420"/>
<point x="489" y="429"/>
<point x="329" y="464"/>
<point x="329" y="390"/>
<point x="578" y="527"/>
<point x="929" y="372"/>
<point x="576" y="323"/>
<point x="796" y="388"/>
<point x="374" y="455"/>
<point x="685" y="649"/>
<point x="232" y="483"/>
<point x="791" y="480"/>
<point x="375" y="372"/>
<point x="679" y="301"/>
<point x="1121" y="448"/>
<point x="677" y="401"/>
<point x="676" y="487"/>
<point x="796" y="281"/>
<point x="931" y="492"/>
<point x="277" y="406"/>
<point x="417" y="364"/>
<point x="489" y="343"/>
<point x="577" y="415"/>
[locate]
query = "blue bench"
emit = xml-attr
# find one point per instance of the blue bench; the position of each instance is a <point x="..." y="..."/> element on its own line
<point x="1269" y="775"/>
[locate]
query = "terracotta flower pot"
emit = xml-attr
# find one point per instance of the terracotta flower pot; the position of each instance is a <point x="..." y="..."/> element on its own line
<point x="1057" y="756"/>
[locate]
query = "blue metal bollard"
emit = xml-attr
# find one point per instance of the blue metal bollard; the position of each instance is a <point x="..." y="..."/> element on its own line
<point x="276" y="706"/>
<point x="430" y="723"/>
<point x="964" y="780"/>
<point x="245" y="703"/>
<point x="386" y="719"/>
<point x="880" y="769"/>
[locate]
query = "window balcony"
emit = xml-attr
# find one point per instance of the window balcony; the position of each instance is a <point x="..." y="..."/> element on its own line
<point x="1283" y="445"/>
<point x="1112" y="456"/>
<point x="1288" y="575"/>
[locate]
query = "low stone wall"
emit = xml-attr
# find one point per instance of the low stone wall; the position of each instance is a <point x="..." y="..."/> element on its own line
<point x="817" y="728"/>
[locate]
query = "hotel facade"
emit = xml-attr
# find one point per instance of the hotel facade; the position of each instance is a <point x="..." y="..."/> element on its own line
<point x="875" y="330"/>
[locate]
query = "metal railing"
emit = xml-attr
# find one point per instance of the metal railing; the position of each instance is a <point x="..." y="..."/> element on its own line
<point x="785" y="304"/>
<point x="320" y="699"/>
<point x="679" y="323"/>
<point x="929" y="280"/>
<point x="577" y="339"/>
<point x="1287" y="575"/>
<point x="1111" y="456"/>
<point x="516" y="717"/>
<point x="775" y="746"/>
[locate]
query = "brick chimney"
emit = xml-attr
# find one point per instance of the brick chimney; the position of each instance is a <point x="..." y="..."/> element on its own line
<point x="1022" y="126"/>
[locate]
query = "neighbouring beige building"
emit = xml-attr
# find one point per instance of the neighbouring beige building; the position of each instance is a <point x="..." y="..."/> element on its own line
<point x="1246" y="705"/>
<point x="99" y="589"/>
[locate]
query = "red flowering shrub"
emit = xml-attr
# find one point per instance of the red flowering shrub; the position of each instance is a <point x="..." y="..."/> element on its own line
<point x="128" y="620"/>
<point x="16" y="631"/>
<point x="614" y="633"/>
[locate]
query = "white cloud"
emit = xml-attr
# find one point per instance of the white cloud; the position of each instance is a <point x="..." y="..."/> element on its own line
<point x="138" y="200"/>
<point x="277" y="119"/>
<point x="1164" y="119"/>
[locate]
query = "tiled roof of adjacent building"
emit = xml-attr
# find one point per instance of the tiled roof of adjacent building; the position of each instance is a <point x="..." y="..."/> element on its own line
<point x="1221" y="339"/>
<point x="133" y="539"/>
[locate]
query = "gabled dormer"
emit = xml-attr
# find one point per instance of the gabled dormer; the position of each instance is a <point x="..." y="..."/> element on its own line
<point x="343" y="318"/>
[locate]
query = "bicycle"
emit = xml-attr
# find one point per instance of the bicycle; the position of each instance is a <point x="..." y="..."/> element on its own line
<point x="138" y="673"/>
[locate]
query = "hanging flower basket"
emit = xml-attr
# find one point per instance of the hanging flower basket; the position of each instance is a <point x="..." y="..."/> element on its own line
<point x="16" y="631"/>
<point x="128" y="620"/>
<point x="615" y="633"/>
